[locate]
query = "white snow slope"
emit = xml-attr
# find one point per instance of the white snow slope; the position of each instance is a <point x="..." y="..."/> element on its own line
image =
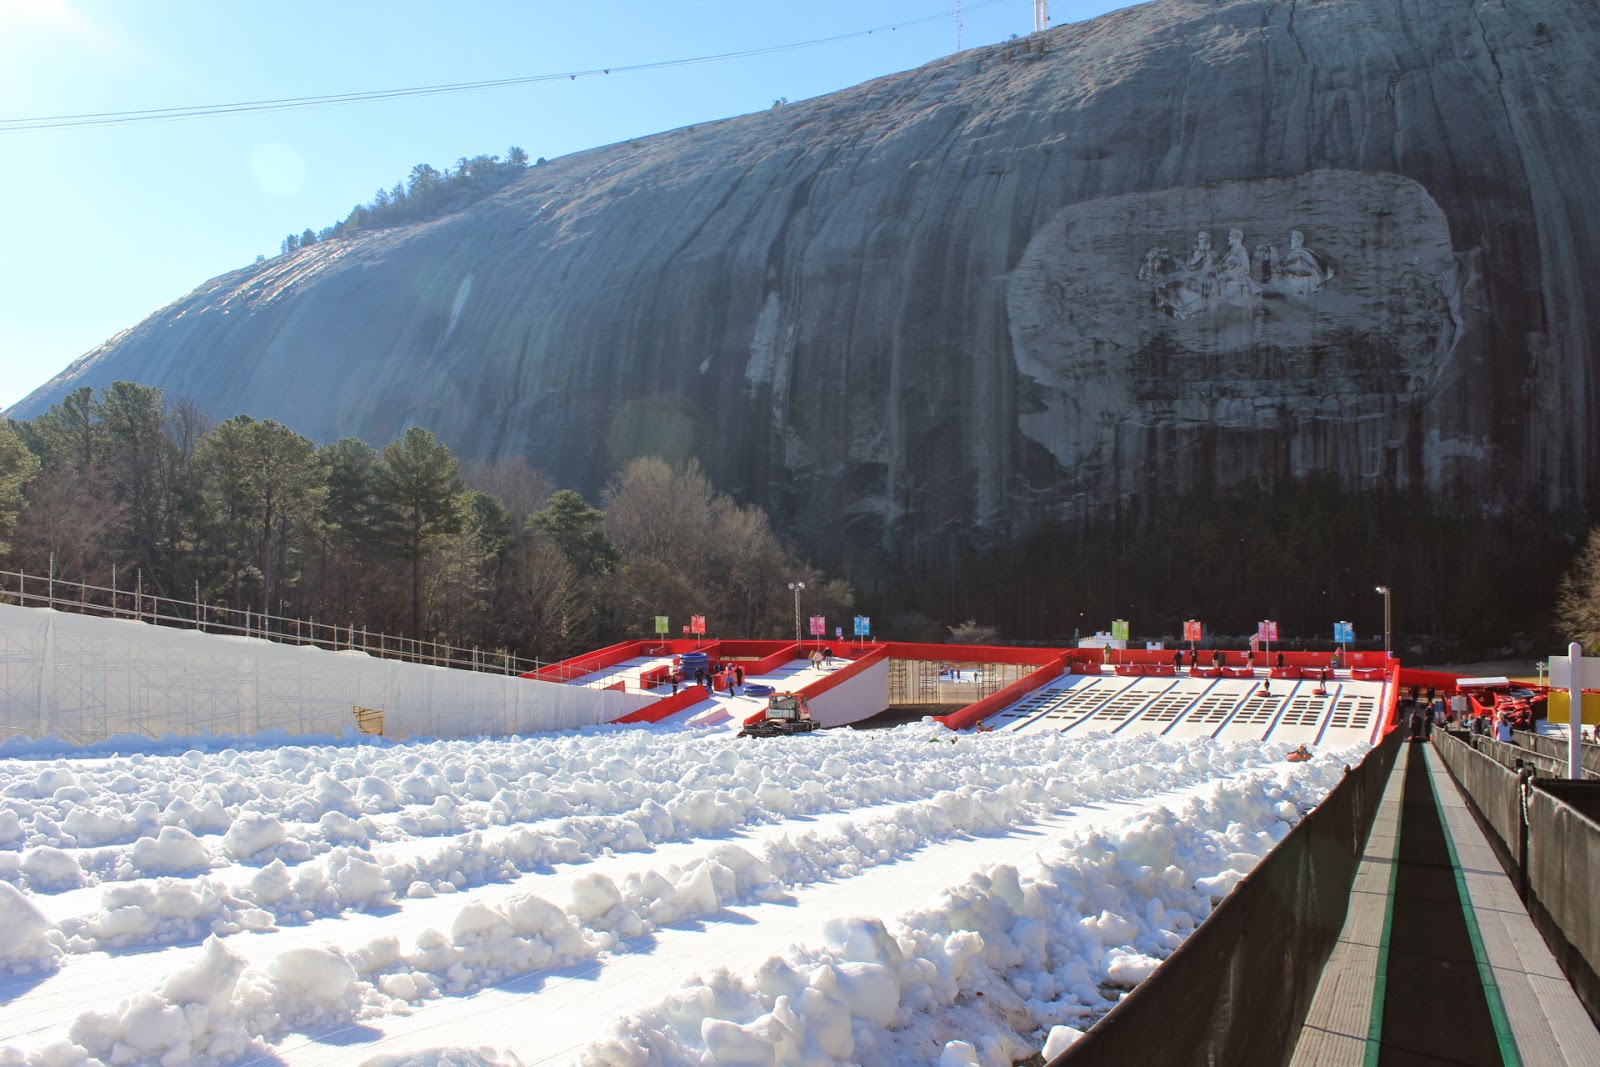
<point x="614" y="896"/>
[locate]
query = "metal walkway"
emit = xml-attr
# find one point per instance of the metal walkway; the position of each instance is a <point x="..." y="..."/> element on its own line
<point x="1438" y="961"/>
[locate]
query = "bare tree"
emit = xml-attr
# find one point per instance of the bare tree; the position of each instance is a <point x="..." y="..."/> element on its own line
<point x="689" y="550"/>
<point x="970" y="633"/>
<point x="517" y="485"/>
<point x="1578" y="598"/>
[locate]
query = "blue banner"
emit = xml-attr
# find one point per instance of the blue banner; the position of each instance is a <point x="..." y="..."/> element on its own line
<point x="863" y="626"/>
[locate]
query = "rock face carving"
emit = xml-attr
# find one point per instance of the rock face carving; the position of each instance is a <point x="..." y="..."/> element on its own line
<point x="1205" y="283"/>
<point x="1208" y="344"/>
<point x="937" y="306"/>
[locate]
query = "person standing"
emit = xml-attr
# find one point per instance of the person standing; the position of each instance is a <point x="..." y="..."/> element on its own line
<point x="1502" y="727"/>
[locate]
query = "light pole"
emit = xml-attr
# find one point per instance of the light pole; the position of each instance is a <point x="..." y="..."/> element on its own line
<point x="1386" y="629"/>
<point x="797" y="586"/>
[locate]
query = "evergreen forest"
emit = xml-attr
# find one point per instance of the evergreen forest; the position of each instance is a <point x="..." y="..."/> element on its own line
<point x="409" y="540"/>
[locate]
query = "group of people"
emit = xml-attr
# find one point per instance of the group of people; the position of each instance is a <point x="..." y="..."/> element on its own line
<point x="1506" y="716"/>
<point x="1420" y="713"/>
<point x="708" y="676"/>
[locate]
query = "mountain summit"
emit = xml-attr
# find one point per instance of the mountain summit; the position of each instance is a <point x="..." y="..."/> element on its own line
<point x="1194" y="243"/>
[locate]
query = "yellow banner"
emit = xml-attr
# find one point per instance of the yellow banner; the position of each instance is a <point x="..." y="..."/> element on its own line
<point x="1559" y="710"/>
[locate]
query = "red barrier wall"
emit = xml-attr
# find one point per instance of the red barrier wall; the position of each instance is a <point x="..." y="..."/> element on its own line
<point x="844" y="674"/>
<point x="1231" y="657"/>
<point x="611" y="655"/>
<point x="588" y="663"/>
<point x="969" y="653"/>
<point x="1443" y="681"/>
<point x="973" y="714"/>
<point x="666" y="706"/>
<point x="772" y="661"/>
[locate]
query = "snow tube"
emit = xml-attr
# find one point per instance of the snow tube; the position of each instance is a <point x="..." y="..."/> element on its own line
<point x="756" y="689"/>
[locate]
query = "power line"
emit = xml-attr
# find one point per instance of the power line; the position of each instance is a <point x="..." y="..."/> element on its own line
<point x="292" y="103"/>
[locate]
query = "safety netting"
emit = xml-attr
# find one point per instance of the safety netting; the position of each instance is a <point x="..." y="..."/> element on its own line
<point x="1238" y="989"/>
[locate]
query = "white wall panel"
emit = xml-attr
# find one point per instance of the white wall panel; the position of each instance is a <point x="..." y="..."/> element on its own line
<point x="84" y="678"/>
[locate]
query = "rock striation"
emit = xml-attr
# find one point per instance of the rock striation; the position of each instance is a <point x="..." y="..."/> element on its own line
<point x="1186" y="244"/>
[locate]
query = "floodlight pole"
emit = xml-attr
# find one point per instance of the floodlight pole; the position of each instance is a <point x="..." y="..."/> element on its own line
<point x="797" y="586"/>
<point x="1386" y="621"/>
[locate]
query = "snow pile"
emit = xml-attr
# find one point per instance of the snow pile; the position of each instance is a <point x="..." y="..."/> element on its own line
<point x="209" y="846"/>
<point x="1004" y="960"/>
<point x="537" y="802"/>
<point x="447" y="1057"/>
<point x="28" y="941"/>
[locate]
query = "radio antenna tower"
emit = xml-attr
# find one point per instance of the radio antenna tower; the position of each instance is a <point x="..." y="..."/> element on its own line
<point x="1041" y="15"/>
<point x="958" y="25"/>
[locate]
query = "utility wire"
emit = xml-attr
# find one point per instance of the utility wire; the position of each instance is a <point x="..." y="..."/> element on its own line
<point x="125" y="118"/>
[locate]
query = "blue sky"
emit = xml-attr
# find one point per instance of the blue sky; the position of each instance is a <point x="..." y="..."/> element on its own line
<point x="105" y="225"/>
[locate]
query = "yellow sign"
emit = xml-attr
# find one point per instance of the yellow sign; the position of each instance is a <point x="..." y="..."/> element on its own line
<point x="1559" y="710"/>
<point x="368" y="720"/>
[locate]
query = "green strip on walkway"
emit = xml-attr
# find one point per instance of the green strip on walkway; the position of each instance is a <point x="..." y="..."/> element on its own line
<point x="1380" y="985"/>
<point x="1491" y="988"/>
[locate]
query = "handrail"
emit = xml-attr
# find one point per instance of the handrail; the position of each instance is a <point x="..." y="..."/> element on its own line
<point x="135" y="604"/>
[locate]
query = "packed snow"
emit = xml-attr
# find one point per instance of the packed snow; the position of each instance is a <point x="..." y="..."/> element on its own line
<point x="613" y="896"/>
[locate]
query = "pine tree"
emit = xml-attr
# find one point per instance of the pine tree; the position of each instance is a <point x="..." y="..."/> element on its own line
<point x="417" y="487"/>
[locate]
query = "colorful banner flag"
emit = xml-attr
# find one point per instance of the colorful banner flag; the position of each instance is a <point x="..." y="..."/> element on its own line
<point x="863" y="626"/>
<point x="1344" y="633"/>
<point x="661" y="625"/>
<point x="1119" y="629"/>
<point x="697" y="624"/>
<point x="1266" y="631"/>
<point x="819" y="626"/>
<point x="1192" y="630"/>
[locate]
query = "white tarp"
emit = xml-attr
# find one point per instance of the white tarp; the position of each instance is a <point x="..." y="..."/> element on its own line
<point x="857" y="698"/>
<point x="84" y="678"/>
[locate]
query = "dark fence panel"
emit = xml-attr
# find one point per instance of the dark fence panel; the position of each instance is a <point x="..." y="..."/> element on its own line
<point x="1517" y="753"/>
<point x="1237" y="991"/>
<point x="1550" y="846"/>
<point x="1490" y="784"/>
<point x="1556" y="748"/>
<point x="1563" y="861"/>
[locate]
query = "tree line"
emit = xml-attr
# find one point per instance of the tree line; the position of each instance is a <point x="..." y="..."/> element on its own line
<point x="409" y="540"/>
<point x="426" y="193"/>
<point x="406" y="539"/>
